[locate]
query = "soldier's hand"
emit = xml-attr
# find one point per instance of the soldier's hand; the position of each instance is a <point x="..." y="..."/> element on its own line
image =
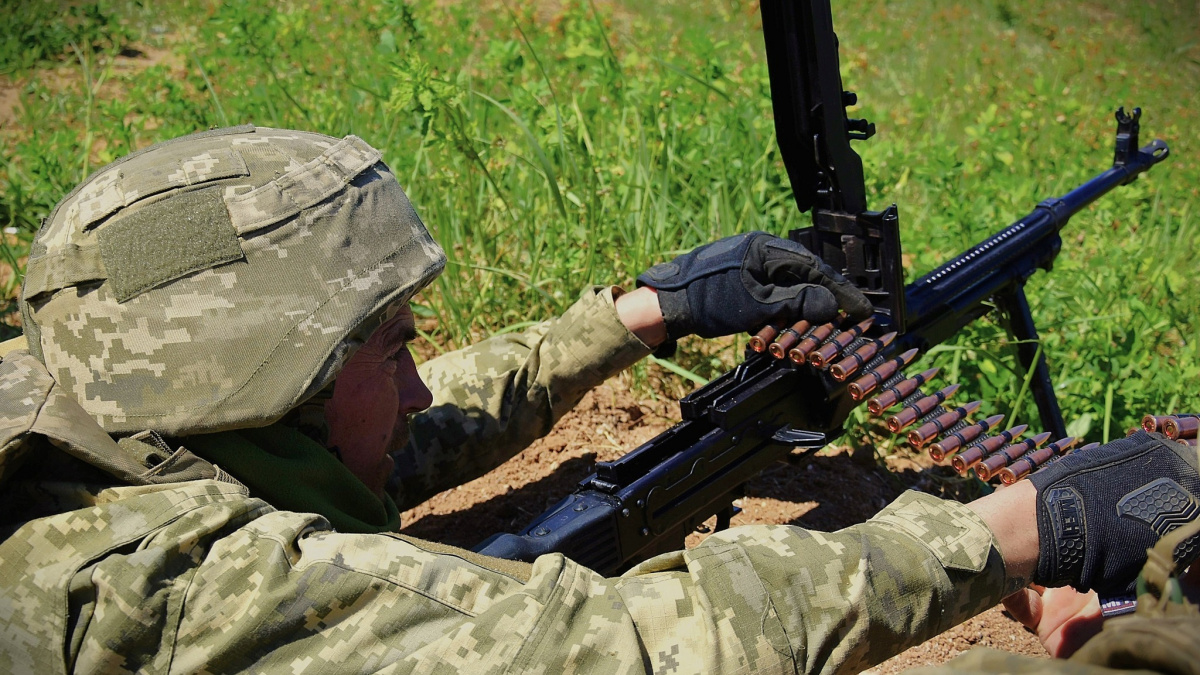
<point x="1063" y="618"/>
<point x="1099" y="511"/>
<point x="746" y="281"/>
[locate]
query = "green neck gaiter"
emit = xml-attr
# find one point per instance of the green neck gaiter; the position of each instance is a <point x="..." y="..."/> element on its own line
<point x="294" y="473"/>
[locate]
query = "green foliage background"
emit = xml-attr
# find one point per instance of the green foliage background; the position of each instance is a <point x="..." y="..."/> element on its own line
<point x="551" y="145"/>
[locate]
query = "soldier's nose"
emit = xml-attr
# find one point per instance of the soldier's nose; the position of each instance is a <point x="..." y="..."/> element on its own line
<point x="414" y="395"/>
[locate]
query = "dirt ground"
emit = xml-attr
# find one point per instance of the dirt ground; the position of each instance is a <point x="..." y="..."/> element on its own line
<point x="831" y="490"/>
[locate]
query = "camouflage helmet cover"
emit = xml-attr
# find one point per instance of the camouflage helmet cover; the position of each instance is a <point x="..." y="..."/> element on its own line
<point x="216" y="281"/>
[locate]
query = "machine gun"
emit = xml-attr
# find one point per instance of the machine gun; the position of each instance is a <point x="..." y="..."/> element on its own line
<point x="771" y="404"/>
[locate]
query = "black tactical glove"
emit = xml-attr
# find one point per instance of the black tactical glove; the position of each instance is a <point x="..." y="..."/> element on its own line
<point x="746" y="281"/>
<point x="1098" y="511"/>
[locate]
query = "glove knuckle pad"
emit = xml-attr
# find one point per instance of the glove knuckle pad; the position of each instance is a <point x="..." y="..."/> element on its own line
<point x="789" y="247"/>
<point x="663" y="271"/>
<point x="1162" y="505"/>
<point x="1064" y="505"/>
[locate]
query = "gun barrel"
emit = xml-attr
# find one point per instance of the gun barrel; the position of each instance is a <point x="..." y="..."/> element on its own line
<point x="951" y="296"/>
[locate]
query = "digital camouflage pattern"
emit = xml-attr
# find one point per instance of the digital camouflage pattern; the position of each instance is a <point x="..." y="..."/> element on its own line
<point x="199" y="576"/>
<point x="212" y="282"/>
<point x="277" y="245"/>
<point x="492" y="400"/>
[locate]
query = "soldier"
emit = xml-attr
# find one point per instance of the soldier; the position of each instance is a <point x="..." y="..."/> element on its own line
<point x="187" y="487"/>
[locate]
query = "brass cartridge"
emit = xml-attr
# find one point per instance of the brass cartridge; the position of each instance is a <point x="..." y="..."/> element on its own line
<point x="800" y="352"/>
<point x="963" y="461"/>
<point x="1177" y="427"/>
<point x="826" y="352"/>
<point x="869" y="382"/>
<point x="1152" y="423"/>
<point x="961" y="438"/>
<point x="1070" y="451"/>
<point x="1023" y="466"/>
<point x="938" y="425"/>
<point x="898" y="392"/>
<point x="786" y="338"/>
<point x="760" y="340"/>
<point x="918" y="409"/>
<point x="847" y="366"/>
<point x="989" y="465"/>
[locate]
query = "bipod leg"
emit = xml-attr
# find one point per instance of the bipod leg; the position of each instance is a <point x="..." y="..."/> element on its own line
<point x="1020" y="323"/>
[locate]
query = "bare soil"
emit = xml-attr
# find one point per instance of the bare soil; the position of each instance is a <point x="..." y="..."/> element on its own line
<point x="828" y="491"/>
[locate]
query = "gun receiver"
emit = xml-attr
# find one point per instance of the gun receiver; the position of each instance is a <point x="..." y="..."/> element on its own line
<point x="778" y="399"/>
<point x="814" y="134"/>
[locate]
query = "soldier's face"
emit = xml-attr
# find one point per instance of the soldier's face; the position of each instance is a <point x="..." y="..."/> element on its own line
<point x="372" y="398"/>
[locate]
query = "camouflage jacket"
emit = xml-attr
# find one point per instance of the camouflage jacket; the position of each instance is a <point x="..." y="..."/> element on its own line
<point x="491" y="400"/>
<point x="126" y="556"/>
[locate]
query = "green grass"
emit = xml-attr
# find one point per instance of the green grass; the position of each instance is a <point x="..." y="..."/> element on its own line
<point x="552" y="146"/>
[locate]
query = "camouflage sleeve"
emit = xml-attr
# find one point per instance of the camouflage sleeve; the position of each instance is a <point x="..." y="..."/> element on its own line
<point x="199" y="577"/>
<point x="492" y="399"/>
<point x="830" y="602"/>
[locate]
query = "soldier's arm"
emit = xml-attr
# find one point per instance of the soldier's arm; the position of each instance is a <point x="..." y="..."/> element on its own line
<point x="833" y="602"/>
<point x="492" y="399"/>
<point x="230" y="585"/>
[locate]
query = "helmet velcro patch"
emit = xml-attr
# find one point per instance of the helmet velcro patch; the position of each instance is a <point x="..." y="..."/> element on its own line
<point x="166" y="240"/>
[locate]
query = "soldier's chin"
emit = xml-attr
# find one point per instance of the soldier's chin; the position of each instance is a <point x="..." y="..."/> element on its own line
<point x="382" y="473"/>
<point x="399" y="437"/>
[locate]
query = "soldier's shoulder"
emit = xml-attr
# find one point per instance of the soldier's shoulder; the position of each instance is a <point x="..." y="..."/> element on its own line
<point x="24" y="386"/>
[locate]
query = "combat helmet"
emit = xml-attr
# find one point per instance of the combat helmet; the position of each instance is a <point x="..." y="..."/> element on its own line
<point x="217" y="280"/>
